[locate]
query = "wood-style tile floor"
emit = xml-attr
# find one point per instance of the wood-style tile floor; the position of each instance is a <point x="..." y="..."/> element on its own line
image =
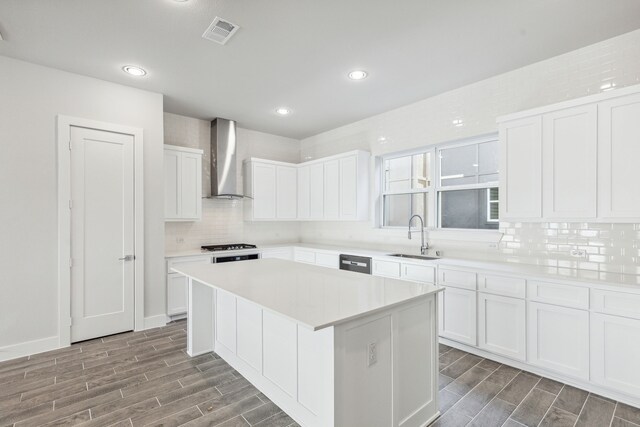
<point x="146" y="378"/>
<point x="480" y="392"/>
<point x="131" y="379"/>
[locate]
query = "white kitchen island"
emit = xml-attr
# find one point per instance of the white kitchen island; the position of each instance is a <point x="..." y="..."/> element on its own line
<point x="330" y="347"/>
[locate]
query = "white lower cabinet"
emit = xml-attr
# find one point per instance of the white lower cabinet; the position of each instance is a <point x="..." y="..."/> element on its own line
<point x="458" y="315"/>
<point x="176" y="294"/>
<point x="502" y="325"/>
<point x="249" y="333"/>
<point x="615" y="353"/>
<point x="558" y="339"/>
<point x="279" y="253"/>
<point x="386" y="268"/>
<point x="280" y="352"/>
<point x="226" y="320"/>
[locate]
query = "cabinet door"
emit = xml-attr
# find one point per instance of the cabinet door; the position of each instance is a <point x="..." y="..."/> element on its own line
<point x="249" y="333"/>
<point x="171" y="184"/>
<point x="615" y="353"/>
<point x="304" y="195"/>
<point x="286" y="192"/>
<point x="570" y="162"/>
<point x="279" y="346"/>
<point x="349" y="187"/>
<point x="458" y="315"/>
<point x="558" y="339"/>
<point x="316" y="191"/>
<point x="191" y="186"/>
<point x="226" y="319"/>
<point x="618" y="154"/>
<point x="176" y="294"/>
<point x="521" y="169"/>
<point x="264" y="191"/>
<point x="332" y="189"/>
<point x="502" y="325"/>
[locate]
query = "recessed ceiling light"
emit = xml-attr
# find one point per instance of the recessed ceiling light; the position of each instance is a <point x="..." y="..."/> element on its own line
<point x="134" y="71"/>
<point x="357" y="75"/>
<point x="283" y="111"/>
<point x="457" y="122"/>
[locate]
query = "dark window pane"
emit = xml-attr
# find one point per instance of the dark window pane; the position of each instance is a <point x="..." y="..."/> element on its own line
<point x="467" y="209"/>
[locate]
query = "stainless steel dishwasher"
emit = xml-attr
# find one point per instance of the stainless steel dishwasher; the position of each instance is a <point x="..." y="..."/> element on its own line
<point x="359" y="264"/>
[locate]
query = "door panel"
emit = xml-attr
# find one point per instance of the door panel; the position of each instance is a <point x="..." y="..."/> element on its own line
<point x="332" y="189"/>
<point x="619" y="151"/>
<point x="316" y="191"/>
<point x="264" y="191"/>
<point x="570" y="163"/>
<point x="286" y="192"/>
<point x="102" y="232"/>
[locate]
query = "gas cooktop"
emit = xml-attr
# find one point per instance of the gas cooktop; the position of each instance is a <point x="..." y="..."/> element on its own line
<point x="228" y="247"/>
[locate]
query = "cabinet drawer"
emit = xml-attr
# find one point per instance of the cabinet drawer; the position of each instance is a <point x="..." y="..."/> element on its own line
<point x="302" y="255"/>
<point x="500" y="285"/>
<point x="616" y="303"/>
<point x="457" y="278"/>
<point x="563" y="295"/>
<point x="176" y="262"/>
<point x="276" y="253"/>
<point x="327" y="260"/>
<point x="386" y="268"/>
<point x="419" y="273"/>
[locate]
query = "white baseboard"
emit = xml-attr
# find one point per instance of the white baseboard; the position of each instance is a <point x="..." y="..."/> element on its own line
<point x="155" y="321"/>
<point x="28" y="348"/>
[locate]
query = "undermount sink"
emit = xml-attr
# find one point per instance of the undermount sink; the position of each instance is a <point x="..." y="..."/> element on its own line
<point x="422" y="257"/>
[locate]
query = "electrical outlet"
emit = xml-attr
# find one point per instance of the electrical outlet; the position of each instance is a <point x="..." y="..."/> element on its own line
<point x="578" y="253"/>
<point x="373" y="354"/>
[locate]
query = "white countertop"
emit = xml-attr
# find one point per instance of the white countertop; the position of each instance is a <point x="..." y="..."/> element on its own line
<point x="313" y="296"/>
<point x="629" y="282"/>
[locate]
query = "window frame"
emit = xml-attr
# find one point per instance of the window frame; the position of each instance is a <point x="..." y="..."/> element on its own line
<point x="428" y="190"/>
<point x="433" y="191"/>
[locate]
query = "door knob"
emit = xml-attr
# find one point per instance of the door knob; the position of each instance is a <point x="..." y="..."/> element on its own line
<point x="127" y="258"/>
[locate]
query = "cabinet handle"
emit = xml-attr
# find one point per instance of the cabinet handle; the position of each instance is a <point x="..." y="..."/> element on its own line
<point x="127" y="258"/>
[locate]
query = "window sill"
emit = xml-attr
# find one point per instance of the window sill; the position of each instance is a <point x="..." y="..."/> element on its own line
<point x="455" y="234"/>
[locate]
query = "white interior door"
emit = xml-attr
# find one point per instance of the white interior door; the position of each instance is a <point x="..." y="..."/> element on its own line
<point x="102" y="233"/>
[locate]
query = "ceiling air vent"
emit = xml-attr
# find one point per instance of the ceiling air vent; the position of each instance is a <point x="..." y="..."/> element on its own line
<point x="220" y="31"/>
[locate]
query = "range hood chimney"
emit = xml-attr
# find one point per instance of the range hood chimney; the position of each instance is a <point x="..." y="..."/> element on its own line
<point x="223" y="160"/>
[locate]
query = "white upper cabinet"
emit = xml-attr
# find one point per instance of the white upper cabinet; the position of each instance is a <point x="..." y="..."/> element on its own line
<point x="286" y="192"/>
<point x="262" y="187"/>
<point x="618" y="155"/>
<point x="316" y="191"/>
<point x="570" y="162"/>
<point x="182" y="183"/>
<point x="304" y="194"/>
<point x="332" y="188"/>
<point x="521" y="169"/>
<point x="573" y="161"/>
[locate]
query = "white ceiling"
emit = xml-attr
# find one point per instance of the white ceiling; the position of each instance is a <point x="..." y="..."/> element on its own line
<point x="297" y="53"/>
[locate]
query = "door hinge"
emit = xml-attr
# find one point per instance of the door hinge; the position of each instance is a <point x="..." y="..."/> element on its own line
<point x="70" y="321"/>
<point x="69" y="145"/>
<point x="70" y="262"/>
<point x="70" y="204"/>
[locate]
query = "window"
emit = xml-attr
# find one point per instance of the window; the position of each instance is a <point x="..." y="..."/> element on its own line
<point x="407" y="181"/>
<point x="467" y="191"/>
<point x="463" y="195"/>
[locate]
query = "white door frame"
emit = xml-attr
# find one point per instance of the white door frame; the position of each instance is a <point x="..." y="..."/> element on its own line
<point x="64" y="124"/>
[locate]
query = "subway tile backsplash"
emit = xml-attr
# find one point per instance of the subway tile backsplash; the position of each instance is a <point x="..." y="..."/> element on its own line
<point x="612" y="248"/>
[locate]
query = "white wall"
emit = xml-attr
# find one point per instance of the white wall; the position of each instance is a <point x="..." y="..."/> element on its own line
<point x="31" y="97"/>
<point x="222" y="220"/>
<point x="430" y="121"/>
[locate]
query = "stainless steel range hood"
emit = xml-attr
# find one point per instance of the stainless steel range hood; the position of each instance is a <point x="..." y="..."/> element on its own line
<point x="224" y="165"/>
